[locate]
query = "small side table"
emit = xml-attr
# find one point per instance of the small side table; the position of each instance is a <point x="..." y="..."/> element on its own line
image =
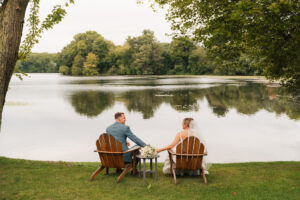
<point x="144" y="166"/>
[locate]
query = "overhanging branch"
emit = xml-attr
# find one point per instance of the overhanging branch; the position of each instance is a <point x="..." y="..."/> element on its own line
<point x="3" y="3"/>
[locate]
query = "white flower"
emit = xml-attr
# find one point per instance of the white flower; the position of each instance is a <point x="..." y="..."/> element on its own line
<point x="148" y="152"/>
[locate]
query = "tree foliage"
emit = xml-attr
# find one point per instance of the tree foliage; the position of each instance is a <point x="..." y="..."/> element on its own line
<point x="36" y="27"/>
<point x="64" y="70"/>
<point x="145" y="52"/>
<point x="141" y="55"/>
<point x="265" y="32"/>
<point x="38" y="63"/>
<point x="92" y="51"/>
<point x="90" y="65"/>
<point x="90" y="54"/>
<point x="181" y="49"/>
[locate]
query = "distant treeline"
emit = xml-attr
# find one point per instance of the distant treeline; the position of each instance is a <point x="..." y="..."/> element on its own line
<point x="39" y="63"/>
<point x="90" y="54"/>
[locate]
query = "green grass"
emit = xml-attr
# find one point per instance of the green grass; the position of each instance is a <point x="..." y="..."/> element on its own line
<point x="24" y="179"/>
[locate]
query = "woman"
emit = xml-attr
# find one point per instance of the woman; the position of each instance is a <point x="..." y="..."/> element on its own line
<point x="190" y="128"/>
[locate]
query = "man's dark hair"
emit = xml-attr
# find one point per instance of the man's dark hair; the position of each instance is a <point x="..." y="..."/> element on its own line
<point x="118" y="114"/>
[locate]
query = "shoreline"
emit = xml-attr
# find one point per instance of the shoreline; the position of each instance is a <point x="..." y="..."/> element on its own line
<point x="94" y="162"/>
<point x="256" y="79"/>
<point x="162" y="75"/>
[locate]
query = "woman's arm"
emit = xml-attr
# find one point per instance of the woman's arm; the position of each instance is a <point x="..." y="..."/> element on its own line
<point x="173" y="144"/>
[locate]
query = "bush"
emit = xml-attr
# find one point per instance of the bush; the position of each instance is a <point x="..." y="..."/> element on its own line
<point x="76" y="71"/>
<point x="113" y="70"/>
<point x="89" y="72"/>
<point x="171" y="72"/>
<point x="64" y="70"/>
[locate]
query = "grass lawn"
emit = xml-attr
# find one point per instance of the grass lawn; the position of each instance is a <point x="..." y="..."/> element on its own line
<point x="24" y="179"/>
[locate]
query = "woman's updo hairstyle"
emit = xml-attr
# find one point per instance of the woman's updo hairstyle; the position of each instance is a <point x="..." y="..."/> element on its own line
<point x="187" y="121"/>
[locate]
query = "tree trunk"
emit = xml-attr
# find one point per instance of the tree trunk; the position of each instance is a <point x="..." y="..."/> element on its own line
<point x="12" y="14"/>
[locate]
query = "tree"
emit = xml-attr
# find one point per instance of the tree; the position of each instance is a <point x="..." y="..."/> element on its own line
<point x="67" y="55"/>
<point x="82" y="45"/>
<point x="12" y="15"/>
<point x="148" y="60"/>
<point x="64" y="70"/>
<point x="145" y="53"/>
<point x="115" y="60"/>
<point x="38" y="62"/>
<point x="267" y="32"/>
<point x="239" y="66"/>
<point x="167" y="61"/>
<point x="90" y="65"/>
<point x="101" y="48"/>
<point x="91" y="60"/>
<point x="77" y="65"/>
<point x="181" y="48"/>
<point x="199" y="63"/>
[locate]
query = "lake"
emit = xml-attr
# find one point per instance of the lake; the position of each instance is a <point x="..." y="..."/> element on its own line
<point x="55" y="117"/>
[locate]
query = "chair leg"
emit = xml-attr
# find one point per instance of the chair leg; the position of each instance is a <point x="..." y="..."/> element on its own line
<point x="174" y="175"/>
<point x="172" y="167"/>
<point x="171" y="163"/>
<point x="96" y="173"/>
<point x="107" y="170"/>
<point x="134" y="163"/>
<point x="204" y="177"/>
<point x="126" y="170"/>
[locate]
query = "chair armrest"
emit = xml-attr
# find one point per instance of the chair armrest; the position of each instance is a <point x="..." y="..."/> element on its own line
<point x="170" y="151"/>
<point x="187" y="154"/>
<point x="135" y="148"/>
<point x="108" y="152"/>
<point x="130" y="150"/>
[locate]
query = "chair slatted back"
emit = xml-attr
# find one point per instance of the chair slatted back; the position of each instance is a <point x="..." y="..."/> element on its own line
<point x="190" y="145"/>
<point x="109" y="144"/>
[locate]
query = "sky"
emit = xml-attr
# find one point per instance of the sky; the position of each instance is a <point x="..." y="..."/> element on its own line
<point x="115" y="20"/>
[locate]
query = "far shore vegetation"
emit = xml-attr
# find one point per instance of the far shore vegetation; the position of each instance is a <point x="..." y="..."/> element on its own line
<point x="25" y="179"/>
<point x="90" y="54"/>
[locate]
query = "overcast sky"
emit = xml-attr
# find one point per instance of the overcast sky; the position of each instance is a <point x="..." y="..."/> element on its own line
<point x="115" y="20"/>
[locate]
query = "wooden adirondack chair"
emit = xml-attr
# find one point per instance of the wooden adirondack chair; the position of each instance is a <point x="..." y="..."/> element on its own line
<point x="189" y="155"/>
<point x="111" y="156"/>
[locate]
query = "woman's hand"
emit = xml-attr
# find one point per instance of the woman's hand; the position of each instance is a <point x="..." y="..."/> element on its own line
<point x="158" y="150"/>
<point x="128" y="143"/>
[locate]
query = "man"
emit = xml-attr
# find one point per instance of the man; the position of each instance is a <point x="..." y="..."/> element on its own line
<point x="120" y="132"/>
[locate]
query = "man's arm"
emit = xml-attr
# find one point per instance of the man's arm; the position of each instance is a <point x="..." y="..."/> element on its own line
<point x="135" y="139"/>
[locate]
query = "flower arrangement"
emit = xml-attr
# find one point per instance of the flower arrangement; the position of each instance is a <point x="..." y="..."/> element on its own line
<point x="148" y="151"/>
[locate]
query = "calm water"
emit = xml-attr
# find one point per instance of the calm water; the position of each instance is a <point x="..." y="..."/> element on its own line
<point x="53" y="117"/>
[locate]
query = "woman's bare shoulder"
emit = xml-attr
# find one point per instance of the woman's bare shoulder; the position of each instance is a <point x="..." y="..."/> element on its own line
<point x="180" y="133"/>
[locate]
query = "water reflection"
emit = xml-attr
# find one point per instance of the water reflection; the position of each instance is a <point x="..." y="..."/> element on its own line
<point x="91" y="103"/>
<point x="246" y="99"/>
<point x="185" y="100"/>
<point x="144" y="101"/>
